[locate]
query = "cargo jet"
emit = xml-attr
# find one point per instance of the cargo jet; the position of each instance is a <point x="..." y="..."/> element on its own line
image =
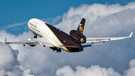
<point x="57" y="39"/>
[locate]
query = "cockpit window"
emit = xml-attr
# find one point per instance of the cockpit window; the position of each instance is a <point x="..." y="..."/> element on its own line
<point x="34" y="22"/>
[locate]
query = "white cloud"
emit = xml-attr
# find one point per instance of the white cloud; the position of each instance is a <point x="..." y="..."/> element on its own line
<point x="9" y="64"/>
<point x="103" y="21"/>
<point x="16" y="24"/>
<point x="109" y="59"/>
<point x="83" y="71"/>
<point x="99" y="17"/>
<point x="131" y="70"/>
<point x="94" y="71"/>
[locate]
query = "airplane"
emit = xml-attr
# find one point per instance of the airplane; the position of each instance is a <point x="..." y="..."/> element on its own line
<point x="57" y="39"/>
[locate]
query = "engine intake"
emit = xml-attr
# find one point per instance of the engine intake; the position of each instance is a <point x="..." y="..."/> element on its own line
<point x="78" y="36"/>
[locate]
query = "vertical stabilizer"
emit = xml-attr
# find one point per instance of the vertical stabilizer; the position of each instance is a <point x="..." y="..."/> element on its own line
<point x="81" y="26"/>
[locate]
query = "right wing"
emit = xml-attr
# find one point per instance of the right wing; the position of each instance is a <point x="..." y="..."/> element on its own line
<point x="106" y="39"/>
<point x="88" y="40"/>
<point x="36" y="41"/>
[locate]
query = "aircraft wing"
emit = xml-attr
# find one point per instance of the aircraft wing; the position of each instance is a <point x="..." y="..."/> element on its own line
<point x="36" y="41"/>
<point x="106" y="39"/>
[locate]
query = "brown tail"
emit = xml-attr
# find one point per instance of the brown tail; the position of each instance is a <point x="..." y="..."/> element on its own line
<point x="81" y="26"/>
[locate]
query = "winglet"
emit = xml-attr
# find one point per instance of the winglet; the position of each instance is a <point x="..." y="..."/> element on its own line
<point x="5" y="40"/>
<point x="130" y="34"/>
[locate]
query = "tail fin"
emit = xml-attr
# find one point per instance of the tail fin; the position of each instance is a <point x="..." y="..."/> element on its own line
<point x="81" y="26"/>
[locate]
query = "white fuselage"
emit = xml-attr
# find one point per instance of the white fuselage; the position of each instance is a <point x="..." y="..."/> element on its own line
<point x="38" y="27"/>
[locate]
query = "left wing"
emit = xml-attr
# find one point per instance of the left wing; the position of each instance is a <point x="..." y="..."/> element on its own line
<point x="37" y="41"/>
<point x="106" y="39"/>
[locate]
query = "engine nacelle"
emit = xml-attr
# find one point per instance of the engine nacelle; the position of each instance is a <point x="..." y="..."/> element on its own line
<point x="31" y="45"/>
<point x="78" y="36"/>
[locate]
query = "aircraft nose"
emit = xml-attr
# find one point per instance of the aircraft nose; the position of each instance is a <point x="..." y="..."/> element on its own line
<point x="31" y="21"/>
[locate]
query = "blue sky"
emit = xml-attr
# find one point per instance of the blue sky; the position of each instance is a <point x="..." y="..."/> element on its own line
<point x="14" y="12"/>
<point x="103" y="19"/>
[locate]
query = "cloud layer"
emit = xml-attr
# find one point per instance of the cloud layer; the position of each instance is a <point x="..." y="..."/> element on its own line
<point x="94" y="71"/>
<point x="112" y="59"/>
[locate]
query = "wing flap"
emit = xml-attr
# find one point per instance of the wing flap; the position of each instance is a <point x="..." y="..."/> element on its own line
<point x="27" y="42"/>
<point x="90" y="45"/>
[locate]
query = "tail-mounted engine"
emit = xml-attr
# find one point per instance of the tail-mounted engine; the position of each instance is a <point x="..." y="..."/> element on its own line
<point x="78" y="36"/>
